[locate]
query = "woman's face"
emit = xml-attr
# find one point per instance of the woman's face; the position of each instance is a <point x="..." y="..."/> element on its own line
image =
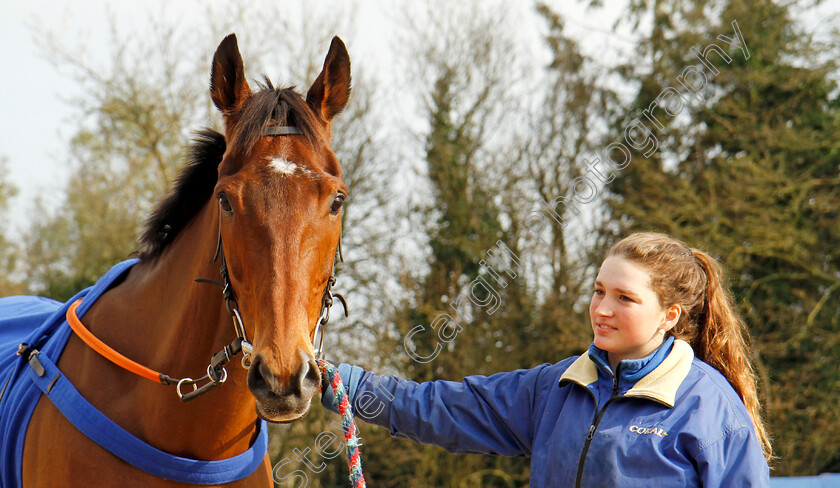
<point x="625" y="312"/>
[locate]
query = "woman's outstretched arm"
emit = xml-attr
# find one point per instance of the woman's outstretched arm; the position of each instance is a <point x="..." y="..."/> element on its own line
<point x="481" y="414"/>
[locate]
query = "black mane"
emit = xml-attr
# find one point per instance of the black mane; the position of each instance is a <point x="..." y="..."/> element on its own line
<point x="195" y="183"/>
<point x="192" y="189"/>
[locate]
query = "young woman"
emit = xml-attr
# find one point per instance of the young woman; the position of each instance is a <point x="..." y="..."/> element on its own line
<point x="665" y="396"/>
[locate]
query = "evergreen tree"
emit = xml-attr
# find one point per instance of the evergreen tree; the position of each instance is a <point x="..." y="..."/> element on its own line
<point x="745" y="165"/>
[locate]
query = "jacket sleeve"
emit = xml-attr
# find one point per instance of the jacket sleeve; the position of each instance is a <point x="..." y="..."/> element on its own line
<point x="735" y="459"/>
<point x="481" y="414"/>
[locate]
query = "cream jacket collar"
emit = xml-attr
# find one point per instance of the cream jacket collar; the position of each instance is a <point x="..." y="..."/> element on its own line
<point x="659" y="385"/>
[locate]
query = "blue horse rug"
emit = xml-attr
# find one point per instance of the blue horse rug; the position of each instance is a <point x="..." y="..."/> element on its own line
<point x="40" y="323"/>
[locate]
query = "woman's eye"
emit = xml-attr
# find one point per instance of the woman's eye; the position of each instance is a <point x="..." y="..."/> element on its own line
<point x="336" y="204"/>
<point x="625" y="298"/>
<point x="224" y="203"/>
<point x="599" y="292"/>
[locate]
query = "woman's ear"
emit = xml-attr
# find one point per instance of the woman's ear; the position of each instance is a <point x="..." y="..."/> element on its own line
<point x="672" y="316"/>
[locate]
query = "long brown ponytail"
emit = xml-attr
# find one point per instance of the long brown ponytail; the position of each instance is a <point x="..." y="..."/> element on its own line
<point x="708" y="321"/>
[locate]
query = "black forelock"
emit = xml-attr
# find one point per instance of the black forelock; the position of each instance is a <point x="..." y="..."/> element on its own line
<point x="273" y="107"/>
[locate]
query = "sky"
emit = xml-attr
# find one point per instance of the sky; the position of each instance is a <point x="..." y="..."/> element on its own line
<point x="36" y="118"/>
<point x="36" y="121"/>
<point x="32" y="105"/>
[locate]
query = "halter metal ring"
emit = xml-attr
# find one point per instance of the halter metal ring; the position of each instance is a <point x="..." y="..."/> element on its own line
<point x="238" y="325"/>
<point x="247" y="352"/>
<point x="325" y="315"/>
<point x="222" y="380"/>
<point x="319" y="334"/>
<point x="189" y="381"/>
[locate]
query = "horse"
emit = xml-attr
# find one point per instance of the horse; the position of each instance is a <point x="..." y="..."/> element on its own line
<point x="258" y="207"/>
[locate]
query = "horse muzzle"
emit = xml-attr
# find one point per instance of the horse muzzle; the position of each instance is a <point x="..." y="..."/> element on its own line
<point x="281" y="400"/>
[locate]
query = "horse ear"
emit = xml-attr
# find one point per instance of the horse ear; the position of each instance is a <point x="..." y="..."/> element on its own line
<point x="329" y="93"/>
<point x="228" y="87"/>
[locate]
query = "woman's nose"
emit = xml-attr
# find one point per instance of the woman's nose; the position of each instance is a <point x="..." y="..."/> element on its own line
<point x="603" y="308"/>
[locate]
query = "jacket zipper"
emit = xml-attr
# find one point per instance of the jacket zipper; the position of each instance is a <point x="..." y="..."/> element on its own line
<point x="594" y="427"/>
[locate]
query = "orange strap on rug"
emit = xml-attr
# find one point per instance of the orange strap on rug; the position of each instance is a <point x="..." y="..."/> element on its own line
<point x="105" y="350"/>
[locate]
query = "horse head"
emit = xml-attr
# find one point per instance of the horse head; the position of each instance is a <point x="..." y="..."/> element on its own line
<point x="280" y="192"/>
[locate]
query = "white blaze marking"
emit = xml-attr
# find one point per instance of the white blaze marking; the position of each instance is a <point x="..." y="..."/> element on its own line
<point x="282" y="166"/>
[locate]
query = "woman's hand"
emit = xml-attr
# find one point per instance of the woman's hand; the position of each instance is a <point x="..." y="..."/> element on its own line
<point x="350" y="376"/>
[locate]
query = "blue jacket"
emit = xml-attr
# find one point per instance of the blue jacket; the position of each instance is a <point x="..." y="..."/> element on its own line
<point x="669" y="420"/>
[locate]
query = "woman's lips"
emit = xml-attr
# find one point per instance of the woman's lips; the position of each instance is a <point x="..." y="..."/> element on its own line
<point x="604" y="328"/>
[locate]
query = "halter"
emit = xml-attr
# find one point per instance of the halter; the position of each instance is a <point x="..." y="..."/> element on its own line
<point x="327" y="303"/>
<point x="216" y="372"/>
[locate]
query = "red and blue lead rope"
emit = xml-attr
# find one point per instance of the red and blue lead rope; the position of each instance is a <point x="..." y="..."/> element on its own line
<point x="354" y="459"/>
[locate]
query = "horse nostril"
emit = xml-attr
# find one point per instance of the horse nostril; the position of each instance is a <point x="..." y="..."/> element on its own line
<point x="256" y="376"/>
<point x="311" y="378"/>
<point x="306" y="376"/>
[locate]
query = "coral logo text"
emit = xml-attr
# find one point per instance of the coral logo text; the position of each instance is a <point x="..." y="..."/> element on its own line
<point x="647" y="430"/>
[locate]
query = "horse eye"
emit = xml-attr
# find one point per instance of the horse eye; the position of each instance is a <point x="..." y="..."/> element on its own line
<point x="336" y="205"/>
<point x="225" y="204"/>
